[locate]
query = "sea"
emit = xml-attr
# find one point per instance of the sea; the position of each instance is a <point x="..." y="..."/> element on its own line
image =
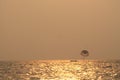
<point x="60" y="70"/>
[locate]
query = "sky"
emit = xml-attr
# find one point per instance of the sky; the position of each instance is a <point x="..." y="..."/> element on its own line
<point x="59" y="29"/>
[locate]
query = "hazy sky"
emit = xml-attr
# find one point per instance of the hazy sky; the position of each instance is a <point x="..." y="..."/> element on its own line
<point x="59" y="29"/>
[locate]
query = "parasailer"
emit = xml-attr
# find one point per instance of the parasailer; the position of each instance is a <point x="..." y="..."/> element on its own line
<point x="84" y="53"/>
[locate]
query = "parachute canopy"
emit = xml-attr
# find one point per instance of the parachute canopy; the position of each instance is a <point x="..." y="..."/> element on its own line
<point x="84" y="53"/>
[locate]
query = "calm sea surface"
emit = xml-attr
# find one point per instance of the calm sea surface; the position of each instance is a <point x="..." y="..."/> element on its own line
<point x="60" y="70"/>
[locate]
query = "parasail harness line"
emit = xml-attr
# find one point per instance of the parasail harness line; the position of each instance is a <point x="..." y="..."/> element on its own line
<point x="84" y="53"/>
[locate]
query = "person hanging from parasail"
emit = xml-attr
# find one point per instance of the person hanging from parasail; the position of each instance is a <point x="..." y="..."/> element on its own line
<point x="84" y="53"/>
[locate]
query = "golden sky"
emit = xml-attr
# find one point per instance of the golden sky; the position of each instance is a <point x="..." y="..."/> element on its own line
<point x="59" y="29"/>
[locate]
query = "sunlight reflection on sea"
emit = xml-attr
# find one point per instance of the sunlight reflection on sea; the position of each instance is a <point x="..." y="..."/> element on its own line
<point x="60" y="70"/>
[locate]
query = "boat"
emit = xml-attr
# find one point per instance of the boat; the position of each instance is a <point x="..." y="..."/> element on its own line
<point x="74" y="60"/>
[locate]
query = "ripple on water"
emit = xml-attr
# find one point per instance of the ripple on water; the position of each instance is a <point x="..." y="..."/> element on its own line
<point x="60" y="70"/>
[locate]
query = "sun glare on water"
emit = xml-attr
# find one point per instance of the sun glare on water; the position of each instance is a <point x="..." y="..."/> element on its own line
<point x="64" y="70"/>
<point x="60" y="70"/>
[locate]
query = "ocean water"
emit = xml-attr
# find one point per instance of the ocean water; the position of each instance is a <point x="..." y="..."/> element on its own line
<point x="60" y="70"/>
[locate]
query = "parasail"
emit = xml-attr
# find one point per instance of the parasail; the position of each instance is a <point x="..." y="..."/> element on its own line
<point x="84" y="53"/>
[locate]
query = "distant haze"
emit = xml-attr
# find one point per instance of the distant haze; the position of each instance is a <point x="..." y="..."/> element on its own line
<point x="59" y="29"/>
